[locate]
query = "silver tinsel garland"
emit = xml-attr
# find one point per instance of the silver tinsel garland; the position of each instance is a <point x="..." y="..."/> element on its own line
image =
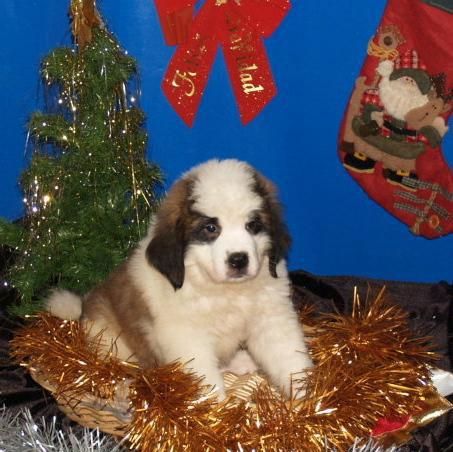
<point x="21" y="433"/>
<point x="370" y="446"/>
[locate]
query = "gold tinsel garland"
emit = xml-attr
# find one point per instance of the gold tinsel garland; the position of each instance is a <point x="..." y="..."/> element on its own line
<point x="368" y="367"/>
<point x="85" y="17"/>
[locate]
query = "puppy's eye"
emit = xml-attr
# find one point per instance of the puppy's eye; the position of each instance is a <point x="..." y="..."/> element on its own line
<point x="206" y="230"/>
<point x="254" y="226"/>
<point x="211" y="228"/>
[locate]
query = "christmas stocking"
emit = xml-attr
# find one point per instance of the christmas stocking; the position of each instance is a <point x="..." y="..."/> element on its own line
<point x="392" y="133"/>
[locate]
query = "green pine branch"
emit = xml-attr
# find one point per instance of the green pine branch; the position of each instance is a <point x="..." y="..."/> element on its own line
<point x="55" y="129"/>
<point x="10" y="233"/>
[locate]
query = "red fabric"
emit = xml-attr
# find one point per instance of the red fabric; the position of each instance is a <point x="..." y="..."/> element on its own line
<point x="428" y="30"/>
<point x="239" y="27"/>
<point x="410" y="59"/>
<point x="371" y="97"/>
<point x="386" y="425"/>
<point x="176" y="17"/>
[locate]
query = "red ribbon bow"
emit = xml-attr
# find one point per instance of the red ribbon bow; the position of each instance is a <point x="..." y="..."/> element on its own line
<point x="239" y="27"/>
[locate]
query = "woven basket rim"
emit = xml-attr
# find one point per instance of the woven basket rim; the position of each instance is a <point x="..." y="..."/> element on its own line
<point x="114" y="416"/>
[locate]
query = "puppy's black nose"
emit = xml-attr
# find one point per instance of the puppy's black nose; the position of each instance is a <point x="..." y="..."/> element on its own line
<point x="238" y="261"/>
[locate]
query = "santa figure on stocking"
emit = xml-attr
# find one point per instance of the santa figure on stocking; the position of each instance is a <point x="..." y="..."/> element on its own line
<point x="398" y="120"/>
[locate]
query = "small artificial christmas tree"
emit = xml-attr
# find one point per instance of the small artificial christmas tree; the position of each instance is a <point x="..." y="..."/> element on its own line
<point x="89" y="191"/>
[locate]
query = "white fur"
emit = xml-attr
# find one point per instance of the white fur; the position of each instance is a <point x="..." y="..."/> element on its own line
<point x="241" y="364"/>
<point x="64" y="304"/>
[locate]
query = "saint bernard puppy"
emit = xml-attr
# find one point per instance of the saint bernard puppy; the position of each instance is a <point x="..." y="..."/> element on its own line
<point x="208" y="280"/>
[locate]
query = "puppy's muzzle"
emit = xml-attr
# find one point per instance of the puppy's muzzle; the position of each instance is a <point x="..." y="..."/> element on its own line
<point x="237" y="264"/>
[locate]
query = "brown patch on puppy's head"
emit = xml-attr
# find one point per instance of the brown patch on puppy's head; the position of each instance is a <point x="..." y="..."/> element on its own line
<point x="167" y="248"/>
<point x="273" y="217"/>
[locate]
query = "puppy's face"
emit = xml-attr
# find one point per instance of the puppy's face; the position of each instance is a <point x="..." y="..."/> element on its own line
<point x="222" y="217"/>
<point x="228" y="246"/>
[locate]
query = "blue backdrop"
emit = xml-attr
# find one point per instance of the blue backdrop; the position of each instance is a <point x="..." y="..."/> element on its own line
<point x="316" y="55"/>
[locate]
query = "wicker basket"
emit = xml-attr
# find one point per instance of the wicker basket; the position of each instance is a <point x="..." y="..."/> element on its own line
<point x="114" y="416"/>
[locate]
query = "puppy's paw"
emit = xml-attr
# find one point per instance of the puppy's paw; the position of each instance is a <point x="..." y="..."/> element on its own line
<point x="298" y="388"/>
<point x="212" y="380"/>
<point x="217" y="393"/>
<point x="241" y="364"/>
<point x="292" y="375"/>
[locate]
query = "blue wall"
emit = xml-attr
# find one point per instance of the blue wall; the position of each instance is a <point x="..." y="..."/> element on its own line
<point x="315" y="54"/>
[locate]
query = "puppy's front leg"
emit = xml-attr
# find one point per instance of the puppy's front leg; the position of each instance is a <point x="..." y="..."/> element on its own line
<point x="194" y="350"/>
<point x="207" y="366"/>
<point x="276" y="342"/>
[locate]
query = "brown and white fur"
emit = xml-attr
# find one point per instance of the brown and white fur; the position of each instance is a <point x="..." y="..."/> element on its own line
<point x="209" y="279"/>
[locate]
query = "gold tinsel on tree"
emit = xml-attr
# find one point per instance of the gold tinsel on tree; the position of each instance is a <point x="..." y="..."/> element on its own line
<point x="85" y="17"/>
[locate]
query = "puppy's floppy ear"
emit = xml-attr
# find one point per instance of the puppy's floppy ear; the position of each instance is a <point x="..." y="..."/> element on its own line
<point x="167" y="247"/>
<point x="166" y="252"/>
<point x="280" y="238"/>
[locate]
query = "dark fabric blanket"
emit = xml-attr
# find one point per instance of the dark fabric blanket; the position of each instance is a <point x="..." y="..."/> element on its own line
<point x="430" y="306"/>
